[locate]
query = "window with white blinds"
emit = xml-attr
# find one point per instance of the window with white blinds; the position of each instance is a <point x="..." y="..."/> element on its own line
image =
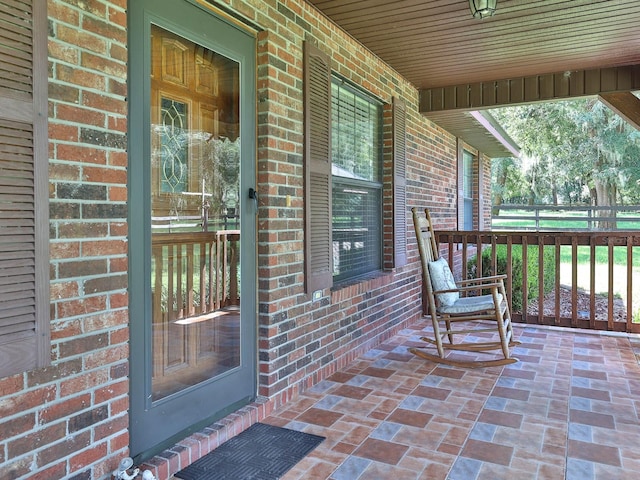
<point x="467" y="189"/>
<point x="356" y="140"/>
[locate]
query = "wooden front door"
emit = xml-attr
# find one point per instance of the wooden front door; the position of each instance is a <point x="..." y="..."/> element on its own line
<point x="195" y="162"/>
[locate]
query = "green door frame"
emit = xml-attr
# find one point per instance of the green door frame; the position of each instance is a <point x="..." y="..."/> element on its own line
<point x="156" y="425"/>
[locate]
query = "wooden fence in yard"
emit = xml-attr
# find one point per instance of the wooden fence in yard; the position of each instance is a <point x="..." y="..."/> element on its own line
<point x="565" y="218"/>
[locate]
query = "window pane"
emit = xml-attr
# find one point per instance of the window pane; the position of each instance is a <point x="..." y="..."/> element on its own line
<point x="356" y="230"/>
<point x="467" y="169"/>
<point x="356" y="124"/>
<point x="467" y="189"/>
<point x="195" y="240"/>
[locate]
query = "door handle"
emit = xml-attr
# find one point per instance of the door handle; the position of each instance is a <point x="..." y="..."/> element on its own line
<point x="253" y="194"/>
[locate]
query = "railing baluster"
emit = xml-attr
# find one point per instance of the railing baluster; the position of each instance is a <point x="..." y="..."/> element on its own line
<point x="190" y="271"/>
<point x="574" y="281"/>
<point x="556" y="284"/>
<point x="157" y="340"/>
<point x="157" y="281"/>
<point x="494" y="255"/>
<point x="479" y="257"/>
<point x="525" y="279"/>
<point x="233" y="272"/>
<point x="629" y="283"/>
<point x="210" y="289"/>
<point x="218" y="273"/>
<point x="592" y="282"/>
<point x="225" y="275"/>
<point x="464" y="275"/>
<point x="610" y="286"/>
<point x="540" y="279"/>
<point x="202" y="269"/>
<point x="510" y="269"/>
<point x="170" y="294"/>
<point x="180" y="311"/>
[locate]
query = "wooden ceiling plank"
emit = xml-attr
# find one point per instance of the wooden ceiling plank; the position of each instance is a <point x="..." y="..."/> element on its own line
<point x="495" y="60"/>
<point x="488" y="63"/>
<point x="453" y="24"/>
<point x="606" y="30"/>
<point x="343" y="11"/>
<point x="346" y="12"/>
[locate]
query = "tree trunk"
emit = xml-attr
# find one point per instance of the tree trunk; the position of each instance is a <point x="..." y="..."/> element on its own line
<point x="495" y="208"/>
<point x="501" y="181"/>
<point x="606" y="197"/>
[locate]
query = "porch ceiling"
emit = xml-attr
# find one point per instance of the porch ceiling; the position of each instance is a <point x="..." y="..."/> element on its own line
<point x="436" y="43"/>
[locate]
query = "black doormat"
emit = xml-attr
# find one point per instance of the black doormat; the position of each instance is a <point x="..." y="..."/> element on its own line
<point x="262" y="452"/>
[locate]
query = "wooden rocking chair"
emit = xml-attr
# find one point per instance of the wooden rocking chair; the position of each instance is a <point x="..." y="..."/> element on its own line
<point x="446" y="305"/>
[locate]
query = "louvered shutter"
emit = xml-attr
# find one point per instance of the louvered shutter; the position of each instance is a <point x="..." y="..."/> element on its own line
<point x="24" y="219"/>
<point x="399" y="183"/>
<point x="460" y="184"/>
<point x="317" y="166"/>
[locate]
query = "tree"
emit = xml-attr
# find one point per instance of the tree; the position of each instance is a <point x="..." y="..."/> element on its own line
<point x="508" y="183"/>
<point x="573" y="147"/>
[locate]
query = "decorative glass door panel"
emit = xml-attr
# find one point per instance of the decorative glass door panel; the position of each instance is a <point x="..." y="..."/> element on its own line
<point x="192" y="225"/>
<point x="195" y="224"/>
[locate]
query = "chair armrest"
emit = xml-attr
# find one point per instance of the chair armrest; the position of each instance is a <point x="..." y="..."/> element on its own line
<point x="488" y="286"/>
<point x="490" y="279"/>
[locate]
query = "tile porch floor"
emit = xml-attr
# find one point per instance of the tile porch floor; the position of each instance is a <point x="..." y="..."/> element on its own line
<point x="569" y="409"/>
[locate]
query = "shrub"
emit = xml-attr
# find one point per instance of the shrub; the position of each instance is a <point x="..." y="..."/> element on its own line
<point x="516" y="270"/>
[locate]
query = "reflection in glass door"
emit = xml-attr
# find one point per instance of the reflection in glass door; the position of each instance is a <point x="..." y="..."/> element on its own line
<point x="192" y="226"/>
<point x="195" y="172"/>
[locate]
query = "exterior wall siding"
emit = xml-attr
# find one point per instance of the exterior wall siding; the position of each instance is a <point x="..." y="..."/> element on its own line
<point x="70" y="420"/>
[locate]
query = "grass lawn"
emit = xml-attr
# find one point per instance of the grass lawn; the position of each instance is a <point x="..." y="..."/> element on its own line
<point x="602" y="255"/>
<point x="602" y="272"/>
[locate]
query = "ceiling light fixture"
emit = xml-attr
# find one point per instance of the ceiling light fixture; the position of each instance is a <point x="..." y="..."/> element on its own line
<point x="482" y="8"/>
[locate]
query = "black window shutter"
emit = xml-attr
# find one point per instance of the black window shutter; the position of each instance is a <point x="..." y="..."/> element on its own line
<point x="317" y="169"/>
<point x="24" y="193"/>
<point x="399" y="183"/>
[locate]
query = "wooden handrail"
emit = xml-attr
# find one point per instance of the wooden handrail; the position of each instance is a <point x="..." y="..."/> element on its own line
<point x="461" y="248"/>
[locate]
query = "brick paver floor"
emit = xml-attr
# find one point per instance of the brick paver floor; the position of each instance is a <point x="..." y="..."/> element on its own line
<point x="569" y="409"/>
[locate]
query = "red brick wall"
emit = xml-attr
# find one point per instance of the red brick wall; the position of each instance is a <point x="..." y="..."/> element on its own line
<point x="303" y="342"/>
<point x="70" y="419"/>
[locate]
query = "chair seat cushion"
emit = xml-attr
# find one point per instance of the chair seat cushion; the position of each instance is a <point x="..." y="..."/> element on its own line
<point x="442" y="279"/>
<point x="470" y="305"/>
